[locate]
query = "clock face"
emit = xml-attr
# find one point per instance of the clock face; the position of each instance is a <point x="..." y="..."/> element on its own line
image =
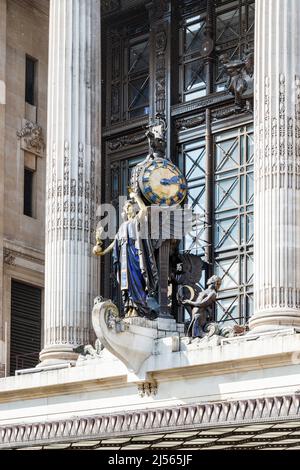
<point x="162" y="183"/>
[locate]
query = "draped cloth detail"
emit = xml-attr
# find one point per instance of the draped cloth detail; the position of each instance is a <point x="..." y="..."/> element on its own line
<point x="135" y="266"/>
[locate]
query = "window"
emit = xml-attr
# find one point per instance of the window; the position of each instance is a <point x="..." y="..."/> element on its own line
<point x="25" y="336"/>
<point x="138" y="79"/>
<point x="234" y="34"/>
<point x="232" y="222"/>
<point x="193" y="163"/>
<point x="214" y="145"/>
<point x="30" y="81"/>
<point x="127" y="72"/>
<point x="28" y="192"/>
<point x="193" y="64"/>
<point x="209" y="38"/>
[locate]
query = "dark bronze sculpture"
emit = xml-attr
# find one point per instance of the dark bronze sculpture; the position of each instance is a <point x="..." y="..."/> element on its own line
<point x="240" y="78"/>
<point x="202" y="308"/>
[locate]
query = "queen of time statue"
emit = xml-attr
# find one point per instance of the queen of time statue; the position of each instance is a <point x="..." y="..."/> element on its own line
<point x="134" y="260"/>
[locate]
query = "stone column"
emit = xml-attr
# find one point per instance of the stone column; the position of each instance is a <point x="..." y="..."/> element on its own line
<point x="72" y="165"/>
<point x="3" y="346"/>
<point x="277" y="165"/>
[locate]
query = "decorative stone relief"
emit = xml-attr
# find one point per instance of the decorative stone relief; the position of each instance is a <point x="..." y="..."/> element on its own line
<point x="88" y="352"/>
<point x="127" y="140"/>
<point x="32" y="139"/>
<point x="160" y="71"/>
<point x="9" y="258"/>
<point x="189" y="123"/>
<point x="279" y="141"/>
<point x="200" y="104"/>
<point x="227" y="112"/>
<point x="71" y="201"/>
<point x="157" y="11"/>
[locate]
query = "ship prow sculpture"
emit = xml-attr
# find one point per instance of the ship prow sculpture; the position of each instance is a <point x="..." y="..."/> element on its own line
<point x="155" y="279"/>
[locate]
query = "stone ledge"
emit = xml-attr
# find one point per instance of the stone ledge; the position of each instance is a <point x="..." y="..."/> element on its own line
<point x="193" y="360"/>
<point x="145" y="422"/>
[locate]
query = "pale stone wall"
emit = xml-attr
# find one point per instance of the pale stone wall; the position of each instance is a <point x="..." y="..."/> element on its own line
<point x="27" y="33"/>
<point x="23" y="30"/>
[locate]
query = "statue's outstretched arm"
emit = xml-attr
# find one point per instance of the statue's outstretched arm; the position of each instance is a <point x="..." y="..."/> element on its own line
<point x="137" y="198"/>
<point x="99" y="252"/>
<point x="206" y="302"/>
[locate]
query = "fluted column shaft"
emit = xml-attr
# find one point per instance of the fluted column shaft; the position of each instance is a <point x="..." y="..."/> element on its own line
<point x="3" y="7"/>
<point x="72" y="165"/>
<point x="277" y="165"/>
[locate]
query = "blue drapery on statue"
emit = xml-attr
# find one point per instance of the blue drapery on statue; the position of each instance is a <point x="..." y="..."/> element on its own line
<point x="134" y="265"/>
<point x="136" y="282"/>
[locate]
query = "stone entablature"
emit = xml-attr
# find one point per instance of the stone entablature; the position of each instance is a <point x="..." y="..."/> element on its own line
<point x="145" y="422"/>
<point x="205" y="371"/>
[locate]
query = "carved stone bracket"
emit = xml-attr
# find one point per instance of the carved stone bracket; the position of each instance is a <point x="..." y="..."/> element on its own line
<point x="147" y="389"/>
<point x="31" y="136"/>
<point x="9" y="258"/>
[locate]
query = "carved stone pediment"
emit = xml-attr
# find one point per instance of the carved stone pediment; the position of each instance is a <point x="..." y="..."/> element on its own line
<point x="32" y="139"/>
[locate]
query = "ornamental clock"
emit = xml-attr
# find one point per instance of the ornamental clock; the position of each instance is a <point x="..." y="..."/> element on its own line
<point x="162" y="183"/>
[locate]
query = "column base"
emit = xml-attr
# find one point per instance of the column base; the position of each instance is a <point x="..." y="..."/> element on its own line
<point x="274" y="319"/>
<point x="57" y="354"/>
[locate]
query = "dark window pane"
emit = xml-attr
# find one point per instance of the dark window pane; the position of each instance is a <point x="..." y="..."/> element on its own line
<point x="228" y="26"/>
<point x="28" y="192"/>
<point x="194" y="75"/>
<point x="139" y="57"/>
<point x="233" y="223"/>
<point x="30" y="81"/>
<point x="194" y="37"/>
<point x="138" y="97"/>
<point x="25" y="341"/>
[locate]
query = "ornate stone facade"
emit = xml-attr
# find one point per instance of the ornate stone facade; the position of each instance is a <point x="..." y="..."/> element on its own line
<point x="32" y="139"/>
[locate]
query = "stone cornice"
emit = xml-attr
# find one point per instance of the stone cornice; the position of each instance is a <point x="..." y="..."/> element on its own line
<point x="13" y="254"/>
<point x="145" y="422"/>
<point x="242" y="354"/>
<point x="22" y="251"/>
<point x="201" y="103"/>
